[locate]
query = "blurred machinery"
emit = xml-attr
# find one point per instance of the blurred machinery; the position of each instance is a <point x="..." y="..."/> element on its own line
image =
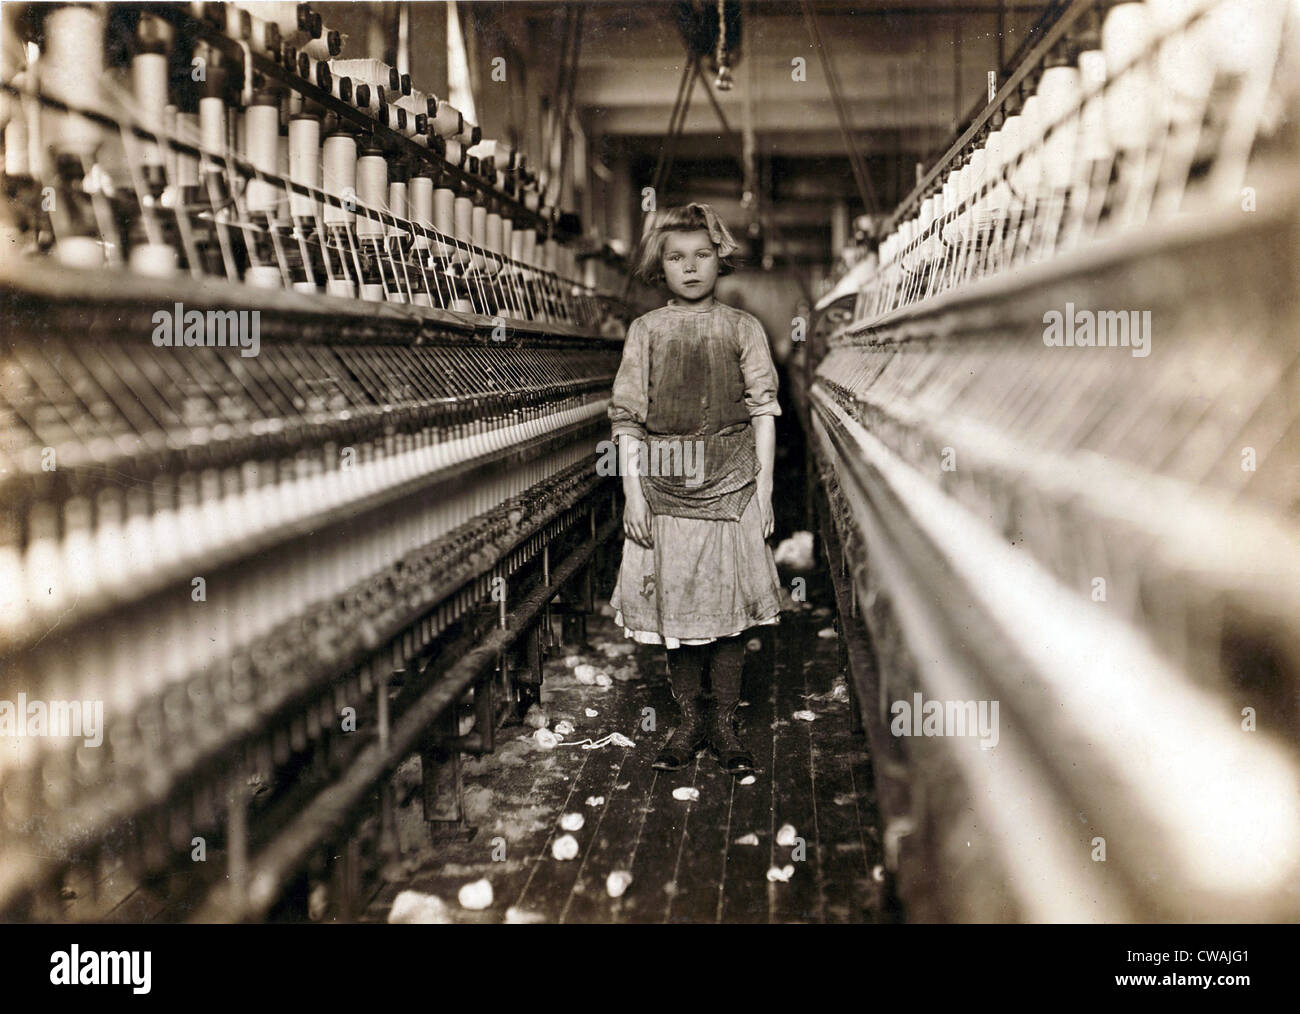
<point x="1055" y="416"/>
<point x="301" y="386"/>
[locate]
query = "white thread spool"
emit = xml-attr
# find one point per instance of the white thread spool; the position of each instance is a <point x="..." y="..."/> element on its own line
<point x="212" y="126"/>
<point x="420" y="194"/>
<point x="397" y="205"/>
<point x="992" y="206"/>
<point x="170" y="120"/>
<point x="264" y="36"/>
<point x="341" y="287"/>
<point x="72" y="66"/>
<point x="372" y="191"/>
<point x="149" y="83"/>
<point x="372" y="292"/>
<point x="1060" y="92"/>
<point x="530" y="247"/>
<point x="263" y="276"/>
<point x="304" y="164"/>
<point x="1240" y="33"/>
<point x="507" y="237"/>
<point x="1125" y="33"/>
<point x="448" y="121"/>
<point x="80" y="252"/>
<point x="444" y="219"/>
<point x="1094" y="138"/>
<point x="493" y="233"/>
<point x="926" y="218"/>
<point x="1186" y="61"/>
<point x="17" y="153"/>
<point x="478" y="233"/>
<point x="157" y="260"/>
<point x="1029" y="173"/>
<point x="463" y="228"/>
<point x="262" y="125"/>
<point x="454" y="152"/>
<point x="339" y="177"/>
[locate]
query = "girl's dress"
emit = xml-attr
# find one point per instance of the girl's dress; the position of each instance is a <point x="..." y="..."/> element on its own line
<point x="690" y="380"/>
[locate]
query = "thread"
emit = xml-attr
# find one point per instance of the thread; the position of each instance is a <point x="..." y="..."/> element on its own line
<point x="1124" y="34"/>
<point x="339" y="176"/>
<point x="444" y="219"/>
<point x="464" y="227"/>
<point x="304" y="164"/>
<point x="493" y="233"/>
<point x="149" y="83"/>
<point x="71" y="69"/>
<point x="212" y="125"/>
<point x="397" y="205"/>
<point x="448" y="121"/>
<point x="263" y="276"/>
<point x="372" y="190"/>
<point x="1060" y="92"/>
<point x="262" y="140"/>
<point x="420" y="195"/>
<point x="478" y="230"/>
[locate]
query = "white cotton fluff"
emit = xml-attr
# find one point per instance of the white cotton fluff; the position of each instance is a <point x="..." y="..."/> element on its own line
<point x="786" y="835"/>
<point x="413" y="908"/>
<point x="804" y="716"/>
<point x="585" y="674"/>
<point x="617" y="882"/>
<point x="536" y="718"/>
<point x="572" y="821"/>
<point x="782" y="874"/>
<point x="595" y="800"/>
<point x="796" y="552"/>
<point x="748" y="780"/>
<point x="572" y="661"/>
<point x="563" y="728"/>
<point x="827" y="633"/>
<point x="603" y="680"/>
<point x="686" y="792"/>
<point x="590" y="712"/>
<point x="564" y="847"/>
<point x="476" y="896"/>
<point x="546" y="739"/>
<point x="747" y="839"/>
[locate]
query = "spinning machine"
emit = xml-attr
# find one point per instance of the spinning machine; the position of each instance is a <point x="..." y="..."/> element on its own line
<point x="302" y="382"/>
<point x="1056" y="423"/>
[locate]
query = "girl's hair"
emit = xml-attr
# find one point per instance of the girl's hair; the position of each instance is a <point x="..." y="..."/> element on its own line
<point x="688" y="218"/>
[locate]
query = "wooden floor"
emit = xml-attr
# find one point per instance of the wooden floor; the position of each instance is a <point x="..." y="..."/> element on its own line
<point x="698" y="861"/>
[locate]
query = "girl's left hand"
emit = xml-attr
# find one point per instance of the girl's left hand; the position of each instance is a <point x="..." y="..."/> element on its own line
<point x="765" y="511"/>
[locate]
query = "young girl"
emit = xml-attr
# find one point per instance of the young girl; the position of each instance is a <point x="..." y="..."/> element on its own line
<point x="696" y="389"/>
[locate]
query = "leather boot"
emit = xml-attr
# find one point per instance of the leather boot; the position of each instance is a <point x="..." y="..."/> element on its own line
<point x="680" y="748"/>
<point x="731" y="753"/>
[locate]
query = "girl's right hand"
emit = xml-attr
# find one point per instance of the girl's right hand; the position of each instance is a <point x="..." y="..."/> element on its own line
<point x="636" y="521"/>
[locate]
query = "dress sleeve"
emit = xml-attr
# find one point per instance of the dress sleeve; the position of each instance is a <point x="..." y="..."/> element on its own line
<point x="759" y="372"/>
<point x="630" y="401"/>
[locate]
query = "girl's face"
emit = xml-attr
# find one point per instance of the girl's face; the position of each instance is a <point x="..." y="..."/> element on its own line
<point x="690" y="265"/>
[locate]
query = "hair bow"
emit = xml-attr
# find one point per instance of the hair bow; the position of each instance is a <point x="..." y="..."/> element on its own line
<point x="718" y="232"/>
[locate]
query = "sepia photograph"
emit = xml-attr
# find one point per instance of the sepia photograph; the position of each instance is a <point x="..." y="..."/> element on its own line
<point x="676" y="462"/>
